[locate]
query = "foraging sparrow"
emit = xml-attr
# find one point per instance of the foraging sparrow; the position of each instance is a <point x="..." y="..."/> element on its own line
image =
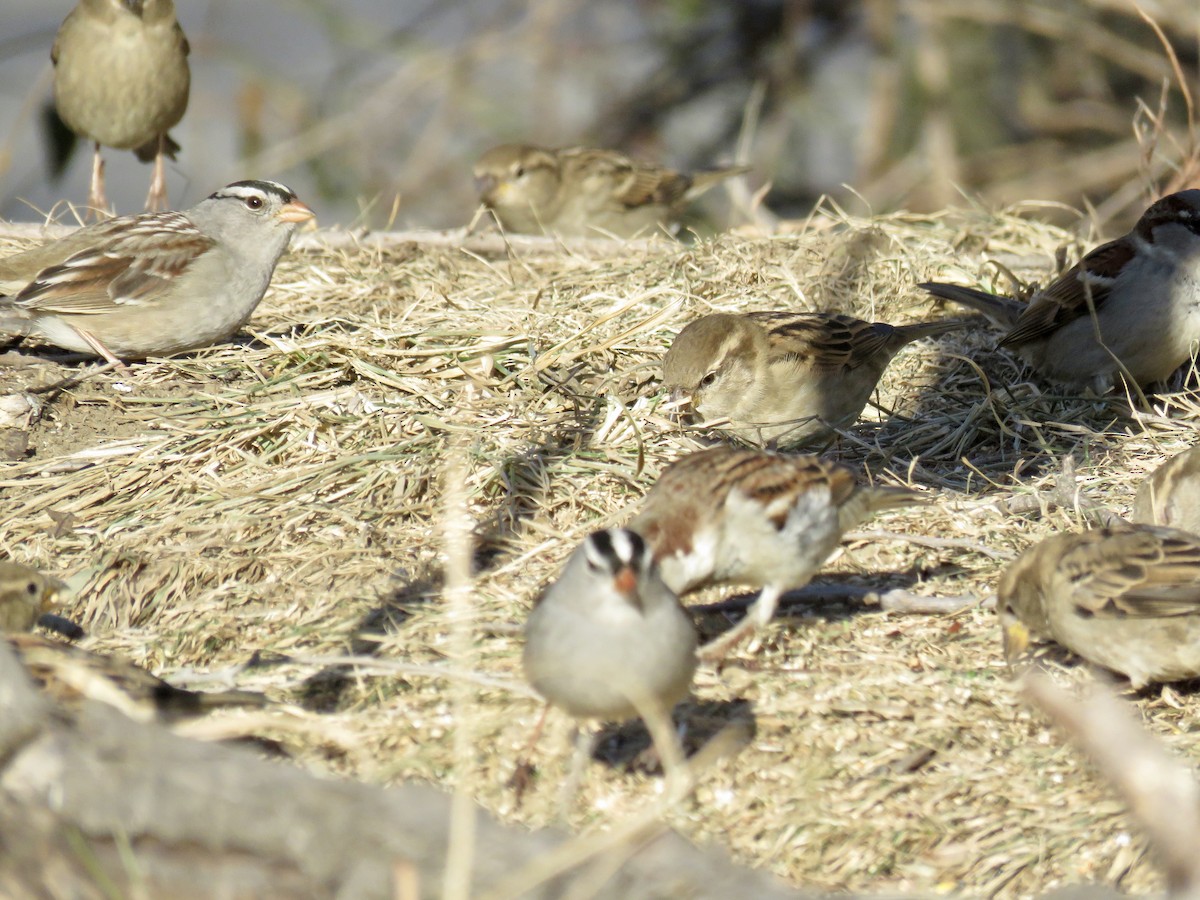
<point x="791" y="378"/>
<point x="24" y="595"/>
<point x="157" y="283"/>
<point x="608" y="639"/>
<point x="71" y="674"/>
<point x="1170" y="495"/>
<point x="580" y="192"/>
<point x="1144" y="289"/>
<point x="1126" y="598"/>
<point x="737" y="516"/>
<point x="121" y="79"/>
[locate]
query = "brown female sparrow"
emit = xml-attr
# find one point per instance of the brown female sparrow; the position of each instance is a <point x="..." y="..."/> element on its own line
<point x="1141" y="293"/>
<point x="25" y="594"/>
<point x="608" y="638"/>
<point x="157" y="283"/>
<point x="790" y="378"/>
<point x="121" y="79"/>
<point x="1170" y="495"/>
<point x="1126" y="598"/>
<point x="71" y="674"/>
<point x="580" y="192"/>
<point x="737" y="516"/>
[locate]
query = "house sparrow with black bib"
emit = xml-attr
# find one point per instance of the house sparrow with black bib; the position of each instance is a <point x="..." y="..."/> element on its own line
<point x="1126" y="598"/>
<point x="782" y="378"/>
<point x="156" y="283"/>
<point x="749" y="517"/>
<point x="581" y="192"/>
<point x="1140" y="293"/>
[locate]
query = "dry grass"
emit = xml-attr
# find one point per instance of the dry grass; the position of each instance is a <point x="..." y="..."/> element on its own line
<point x="282" y="501"/>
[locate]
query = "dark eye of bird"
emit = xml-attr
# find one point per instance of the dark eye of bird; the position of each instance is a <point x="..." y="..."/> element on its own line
<point x="708" y="379"/>
<point x="518" y="171"/>
<point x="255" y="203"/>
<point x="31" y="588"/>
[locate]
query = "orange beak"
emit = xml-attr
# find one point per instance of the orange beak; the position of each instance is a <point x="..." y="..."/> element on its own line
<point x="625" y="581"/>
<point x="295" y="211"/>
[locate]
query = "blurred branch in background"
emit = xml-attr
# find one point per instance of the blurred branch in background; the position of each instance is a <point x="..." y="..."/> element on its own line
<point x="905" y="103"/>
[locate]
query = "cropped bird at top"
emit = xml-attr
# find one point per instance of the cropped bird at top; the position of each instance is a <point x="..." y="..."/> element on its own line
<point x="1170" y="495"/>
<point x="608" y="639"/>
<point x="785" y="378"/>
<point x="156" y="283"/>
<point x="750" y="517"/>
<point x="1126" y="598"/>
<point x="1141" y="292"/>
<point x="121" y="79"/>
<point x="581" y="192"/>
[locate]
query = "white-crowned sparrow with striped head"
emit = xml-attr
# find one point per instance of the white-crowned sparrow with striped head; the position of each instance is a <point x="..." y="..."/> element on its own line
<point x="1126" y="598"/>
<point x="25" y="594"/>
<point x="784" y="378"/>
<point x="70" y="674"/>
<point x="1170" y="495"/>
<point x="1141" y="293"/>
<point x="121" y="79"/>
<point x="608" y="639"/>
<point x="156" y="283"/>
<point x="749" y="517"/>
<point x="581" y="192"/>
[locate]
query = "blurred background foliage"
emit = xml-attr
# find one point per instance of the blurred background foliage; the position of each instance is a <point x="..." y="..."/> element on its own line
<point x="374" y="110"/>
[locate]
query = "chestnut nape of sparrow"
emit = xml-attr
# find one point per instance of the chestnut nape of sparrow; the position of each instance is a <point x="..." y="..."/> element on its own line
<point x="25" y="594"/>
<point x="70" y="674"/>
<point x="581" y="192"/>
<point x="156" y="283"/>
<point x="1170" y="495"/>
<point x="750" y="517"/>
<point x="121" y="79"/>
<point x="1144" y="289"/>
<point x="608" y="639"/>
<point x="1126" y="598"/>
<point x="785" y="379"/>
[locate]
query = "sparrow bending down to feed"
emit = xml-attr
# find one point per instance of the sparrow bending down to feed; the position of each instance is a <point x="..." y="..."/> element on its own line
<point x="749" y="517"/>
<point x="608" y="639"/>
<point x="784" y="378"/>
<point x="70" y="674"/>
<point x="1141" y="293"/>
<point x="121" y="79"/>
<point x="25" y="595"/>
<point x="581" y="192"/>
<point x="1170" y="495"/>
<point x="156" y="283"/>
<point x="1126" y="598"/>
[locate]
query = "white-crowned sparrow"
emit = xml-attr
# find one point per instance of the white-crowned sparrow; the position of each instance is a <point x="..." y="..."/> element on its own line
<point x="749" y="517"/>
<point x="608" y="639"/>
<point x="581" y="192"/>
<point x="1126" y="598"/>
<point x="1170" y="495"/>
<point x="1144" y="290"/>
<point x="785" y="378"/>
<point x="71" y="674"/>
<point x="157" y="283"/>
<point x="121" y="79"/>
<point x="25" y="594"/>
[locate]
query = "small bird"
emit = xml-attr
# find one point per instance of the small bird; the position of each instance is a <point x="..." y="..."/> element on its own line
<point x="1170" y="495"/>
<point x="608" y="639"/>
<point x="70" y="674"/>
<point x="25" y="594"/>
<point x="787" y="378"/>
<point x="1140" y="293"/>
<point x="121" y="79"/>
<point x="581" y="192"/>
<point x="1126" y="598"/>
<point x="750" y="517"/>
<point x="156" y="283"/>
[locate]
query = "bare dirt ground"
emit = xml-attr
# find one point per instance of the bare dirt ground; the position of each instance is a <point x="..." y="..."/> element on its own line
<point x="252" y="514"/>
